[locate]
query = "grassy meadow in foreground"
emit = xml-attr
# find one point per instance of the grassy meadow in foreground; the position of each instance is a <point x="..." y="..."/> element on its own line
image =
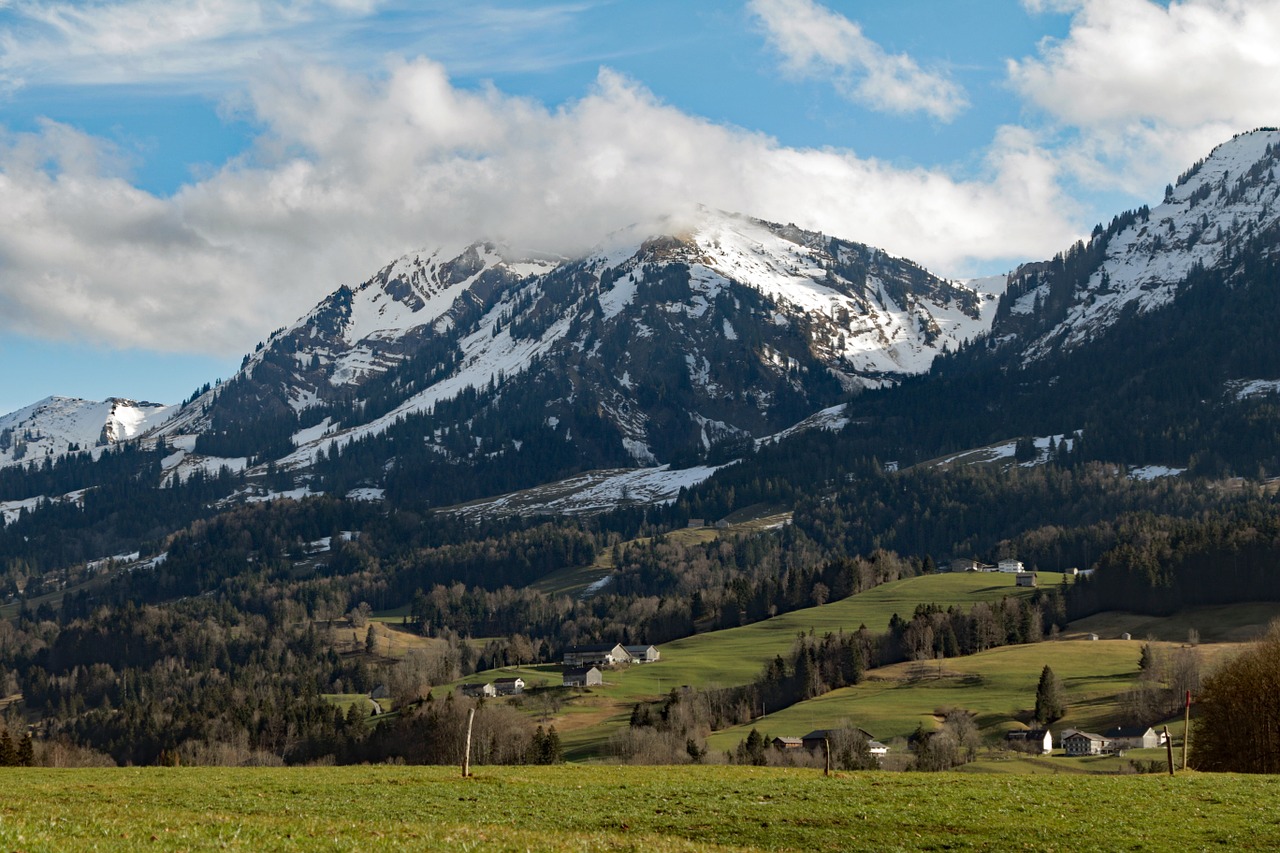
<point x="626" y="808"/>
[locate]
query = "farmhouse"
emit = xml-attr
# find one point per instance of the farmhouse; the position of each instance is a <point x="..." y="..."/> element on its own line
<point x="1034" y="740"/>
<point x="787" y="743"/>
<point x="600" y="655"/>
<point x="1011" y="567"/>
<point x="584" y="676"/>
<point x="1133" y="737"/>
<point x="815" y="738"/>
<point x="1078" y="743"/>
<point x="642" y="654"/>
<point x="509" y="686"/>
<point x="1026" y="579"/>
<point x="965" y="566"/>
<point x="485" y="689"/>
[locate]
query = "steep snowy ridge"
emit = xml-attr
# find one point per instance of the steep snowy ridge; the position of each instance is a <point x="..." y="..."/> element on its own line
<point x="59" y="425"/>
<point x="1230" y="197"/>
<point x="870" y="329"/>
<point x="409" y="294"/>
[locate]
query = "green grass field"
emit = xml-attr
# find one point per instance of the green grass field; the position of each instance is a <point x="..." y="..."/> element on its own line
<point x="737" y="655"/>
<point x="1227" y="623"/>
<point x="998" y="685"/>
<point x="627" y="808"/>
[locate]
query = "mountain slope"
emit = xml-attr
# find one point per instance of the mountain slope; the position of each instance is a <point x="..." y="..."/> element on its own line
<point x="58" y="425"/>
<point x="650" y="349"/>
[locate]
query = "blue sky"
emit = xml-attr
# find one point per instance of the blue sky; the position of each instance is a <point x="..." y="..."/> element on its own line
<point x="180" y="177"/>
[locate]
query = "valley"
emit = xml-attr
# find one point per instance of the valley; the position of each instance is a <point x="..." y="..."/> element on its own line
<point x="756" y="447"/>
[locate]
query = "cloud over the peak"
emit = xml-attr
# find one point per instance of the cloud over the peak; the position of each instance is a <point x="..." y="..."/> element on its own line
<point x="353" y="170"/>
<point x="817" y="42"/>
<point x="1152" y="86"/>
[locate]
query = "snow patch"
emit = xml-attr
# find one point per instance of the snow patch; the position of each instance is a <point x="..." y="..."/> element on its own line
<point x="1153" y="472"/>
<point x="1254" y="387"/>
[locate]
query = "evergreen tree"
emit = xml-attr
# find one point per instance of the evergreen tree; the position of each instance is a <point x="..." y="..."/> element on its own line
<point x="8" y="752"/>
<point x="26" y="753"/>
<point x="752" y="750"/>
<point x="1051" y="702"/>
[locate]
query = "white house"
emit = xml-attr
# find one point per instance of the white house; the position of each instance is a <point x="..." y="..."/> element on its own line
<point x="1011" y="567"/>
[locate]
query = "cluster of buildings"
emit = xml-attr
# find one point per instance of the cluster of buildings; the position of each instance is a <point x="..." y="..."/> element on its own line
<point x="1077" y="743"/>
<point x="1008" y="567"/>
<point x="815" y="741"/>
<point x="583" y="667"/>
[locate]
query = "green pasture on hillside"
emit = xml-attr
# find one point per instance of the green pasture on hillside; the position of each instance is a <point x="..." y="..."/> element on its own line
<point x="737" y="655"/>
<point x="1223" y="623"/>
<point x="998" y="685"/>
<point x="626" y="808"/>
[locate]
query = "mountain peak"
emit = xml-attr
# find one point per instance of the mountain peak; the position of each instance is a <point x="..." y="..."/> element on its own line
<point x="1227" y="199"/>
<point x="58" y="425"/>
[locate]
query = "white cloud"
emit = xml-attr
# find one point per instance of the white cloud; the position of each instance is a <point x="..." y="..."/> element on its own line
<point x="817" y="42"/>
<point x="1151" y="87"/>
<point x="353" y="171"/>
<point x="139" y="41"/>
<point x="215" y="45"/>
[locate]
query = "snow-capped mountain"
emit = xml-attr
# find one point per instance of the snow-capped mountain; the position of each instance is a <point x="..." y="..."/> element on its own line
<point x="1225" y="202"/>
<point x="660" y="343"/>
<point x="59" y="425"/>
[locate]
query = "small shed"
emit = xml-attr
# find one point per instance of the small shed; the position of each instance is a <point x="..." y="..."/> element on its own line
<point x="1026" y="579"/>
<point x="787" y="743"/>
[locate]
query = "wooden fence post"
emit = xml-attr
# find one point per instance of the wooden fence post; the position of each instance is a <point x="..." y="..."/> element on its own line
<point x="466" y="749"/>
<point x="826" y="748"/>
<point x="1168" y="745"/>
